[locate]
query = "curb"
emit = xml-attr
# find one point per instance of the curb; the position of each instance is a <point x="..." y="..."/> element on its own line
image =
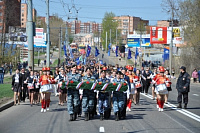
<point x="7" y="105"/>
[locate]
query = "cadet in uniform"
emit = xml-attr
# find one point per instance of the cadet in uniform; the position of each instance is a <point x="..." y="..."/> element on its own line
<point x="118" y="97"/>
<point x="183" y="87"/>
<point x="88" y="96"/>
<point x="73" y="99"/>
<point x="103" y="97"/>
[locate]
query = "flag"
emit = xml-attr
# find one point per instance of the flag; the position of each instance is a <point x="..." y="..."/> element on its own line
<point x="136" y="53"/>
<point x="65" y="50"/>
<point x="129" y="54"/>
<point x="70" y="51"/>
<point x="101" y="62"/>
<point x="109" y="47"/>
<point x="96" y="52"/>
<point x="116" y="51"/>
<point x="84" y="61"/>
<point x="77" y="61"/>
<point x="88" y="51"/>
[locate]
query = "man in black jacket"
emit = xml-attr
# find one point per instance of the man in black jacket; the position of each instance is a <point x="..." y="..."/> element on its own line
<point x="24" y="85"/>
<point x="183" y="87"/>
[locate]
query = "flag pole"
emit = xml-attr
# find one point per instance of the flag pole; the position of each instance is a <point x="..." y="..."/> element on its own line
<point x="99" y="68"/>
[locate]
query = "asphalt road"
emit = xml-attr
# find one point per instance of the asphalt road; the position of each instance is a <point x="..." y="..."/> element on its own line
<point x="143" y="118"/>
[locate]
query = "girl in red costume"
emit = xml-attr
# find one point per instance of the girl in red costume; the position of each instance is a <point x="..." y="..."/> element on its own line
<point x="131" y="77"/>
<point x="44" y="80"/>
<point x="138" y="86"/>
<point x="160" y="81"/>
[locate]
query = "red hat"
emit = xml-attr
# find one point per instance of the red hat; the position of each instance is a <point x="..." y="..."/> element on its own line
<point x="127" y="67"/>
<point x="78" y="67"/>
<point x="130" y="68"/>
<point x="104" y="68"/>
<point x="44" y="69"/>
<point x="161" y="69"/>
<point x="48" y="68"/>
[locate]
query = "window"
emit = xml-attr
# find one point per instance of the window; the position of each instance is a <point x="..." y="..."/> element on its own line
<point x="22" y="14"/>
<point x="22" y="6"/>
<point x="22" y="11"/>
<point x="0" y="6"/>
<point x="0" y="13"/>
<point x="0" y="20"/>
<point x="22" y="19"/>
<point x="22" y="23"/>
<point x="0" y="27"/>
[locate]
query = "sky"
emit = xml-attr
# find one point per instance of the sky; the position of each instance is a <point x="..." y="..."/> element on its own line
<point x="94" y="10"/>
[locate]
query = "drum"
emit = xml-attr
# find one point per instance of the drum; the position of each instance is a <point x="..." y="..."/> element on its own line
<point x="30" y="86"/>
<point x="138" y="85"/>
<point x="161" y="88"/>
<point x="132" y="89"/>
<point x="46" y="88"/>
<point x="37" y="85"/>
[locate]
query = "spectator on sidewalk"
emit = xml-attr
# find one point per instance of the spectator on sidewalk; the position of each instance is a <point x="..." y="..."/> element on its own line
<point x="38" y="62"/>
<point x="173" y="72"/>
<point x="195" y="75"/>
<point x="10" y="68"/>
<point x="1" y="74"/>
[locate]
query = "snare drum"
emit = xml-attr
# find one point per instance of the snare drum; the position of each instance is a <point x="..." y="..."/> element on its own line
<point x="138" y="85"/>
<point x="46" y="88"/>
<point x="30" y="86"/>
<point x="161" y="89"/>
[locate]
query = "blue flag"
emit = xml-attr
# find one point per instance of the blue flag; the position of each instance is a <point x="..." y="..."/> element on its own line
<point x="88" y="51"/>
<point x="84" y="61"/>
<point x="65" y="51"/>
<point x="136" y="53"/>
<point x="77" y="61"/>
<point x="129" y="54"/>
<point x="116" y="51"/>
<point x="70" y="51"/>
<point x="96" y="52"/>
<point x="109" y="47"/>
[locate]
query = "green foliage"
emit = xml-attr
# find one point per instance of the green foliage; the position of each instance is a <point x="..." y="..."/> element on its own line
<point x="109" y="23"/>
<point x="5" y="90"/>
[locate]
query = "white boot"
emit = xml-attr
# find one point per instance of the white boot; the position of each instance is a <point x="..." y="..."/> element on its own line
<point x="159" y="109"/>
<point x="45" y="110"/>
<point x="157" y="106"/>
<point x="42" y="110"/>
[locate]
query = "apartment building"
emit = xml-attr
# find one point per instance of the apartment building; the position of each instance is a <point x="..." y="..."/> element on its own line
<point x="9" y="14"/>
<point x="127" y="24"/>
<point x="24" y="14"/>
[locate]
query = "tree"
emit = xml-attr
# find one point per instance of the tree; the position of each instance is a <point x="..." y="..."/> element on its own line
<point x="109" y="23"/>
<point x="188" y="14"/>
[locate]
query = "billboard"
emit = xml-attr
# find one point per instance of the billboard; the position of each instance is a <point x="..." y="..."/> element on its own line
<point x="158" y="35"/>
<point x="134" y="40"/>
<point x="178" y="35"/>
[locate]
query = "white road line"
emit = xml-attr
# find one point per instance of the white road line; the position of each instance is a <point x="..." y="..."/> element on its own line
<point x="183" y="111"/>
<point x="101" y="130"/>
<point x="195" y="95"/>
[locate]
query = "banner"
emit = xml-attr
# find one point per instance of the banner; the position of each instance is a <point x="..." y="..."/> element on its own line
<point x="178" y="35"/>
<point x="133" y="40"/>
<point x="158" y="35"/>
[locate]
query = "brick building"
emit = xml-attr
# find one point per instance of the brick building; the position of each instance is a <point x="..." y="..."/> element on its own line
<point x="9" y="14"/>
<point x="127" y="24"/>
<point x="167" y="23"/>
<point x="24" y="14"/>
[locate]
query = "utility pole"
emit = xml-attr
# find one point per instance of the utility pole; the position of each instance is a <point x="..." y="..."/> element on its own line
<point x="48" y="35"/>
<point x="60" y="45"/>
<point x="116" y="36"/>
<point x="171" y="44"/>
<point x="106" y="42"/>
<point x="30" y="35"/>
<point x="110" y="35"/>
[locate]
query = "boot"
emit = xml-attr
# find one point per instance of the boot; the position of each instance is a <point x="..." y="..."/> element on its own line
<point x="179" y="106"/>
<point x="116" y="116"/>
<point x="71" y="117"/>
<point x="185" y="106"/>
<point x="86" y="116"/>
<point x="75" y="116"/>
<point x="101" y="117"/>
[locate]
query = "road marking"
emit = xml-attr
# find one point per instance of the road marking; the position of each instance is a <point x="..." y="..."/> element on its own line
<point x="101" y="130"/>
<point x="183" y="111"/>
<point x="196" y="95"/>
